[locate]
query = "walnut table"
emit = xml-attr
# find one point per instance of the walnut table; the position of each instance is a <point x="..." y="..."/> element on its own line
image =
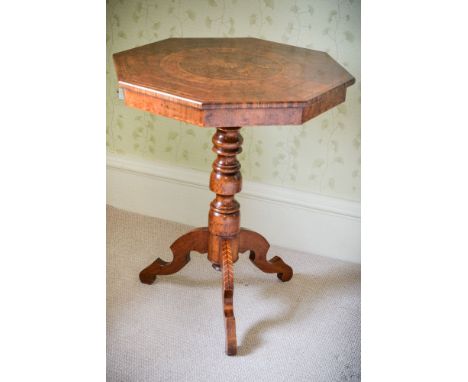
<point x="227" y="83"/>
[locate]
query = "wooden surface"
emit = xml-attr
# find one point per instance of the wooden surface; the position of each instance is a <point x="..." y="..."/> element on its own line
<point x="223" y="239"/>
<point x="231" y="81"/>
<point x="228" y="82"/>
<point x="196" y="240"/>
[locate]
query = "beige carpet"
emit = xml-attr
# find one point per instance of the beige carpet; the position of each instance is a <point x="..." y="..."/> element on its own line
<point x="307" y="329"/>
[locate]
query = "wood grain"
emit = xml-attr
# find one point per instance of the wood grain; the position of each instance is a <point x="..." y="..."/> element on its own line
<point x="224" y="219"/>
<point x="196" y="240"/>
<point x="227" y="83"/>
<point x="228" y="298"/>
<point x="231" y="81"/>
<point x="258" y="247"/>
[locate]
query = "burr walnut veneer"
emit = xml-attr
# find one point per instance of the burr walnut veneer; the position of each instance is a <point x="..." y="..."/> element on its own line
<point x="227" y="83"/>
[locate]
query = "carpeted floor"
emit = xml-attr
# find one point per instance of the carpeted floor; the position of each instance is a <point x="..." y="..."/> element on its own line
<point x="307" y="329"/>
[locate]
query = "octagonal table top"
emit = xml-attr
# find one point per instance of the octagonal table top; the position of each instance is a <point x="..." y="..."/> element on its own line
<point x="230" y="81"/>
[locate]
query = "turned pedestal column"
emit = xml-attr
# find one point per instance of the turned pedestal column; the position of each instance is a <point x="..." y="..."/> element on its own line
<point x="216" y="82"/>
<point x="224" y="220"/>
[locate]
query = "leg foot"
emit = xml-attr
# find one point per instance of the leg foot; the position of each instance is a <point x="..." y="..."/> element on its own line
<point x="258" y="246"/>
<point x="228" y="301"/>
<point x="148" y="275"/>
<point x="196" y="240"/>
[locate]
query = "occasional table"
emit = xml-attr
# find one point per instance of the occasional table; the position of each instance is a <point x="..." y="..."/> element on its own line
<point x="227" y="83"/>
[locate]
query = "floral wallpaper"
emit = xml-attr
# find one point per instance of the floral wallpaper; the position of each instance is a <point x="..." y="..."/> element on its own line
<point x="321" y="156"/>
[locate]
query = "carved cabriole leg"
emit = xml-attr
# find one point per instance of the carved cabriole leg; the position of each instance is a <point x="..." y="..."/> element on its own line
<point x="196" y="240"/>
<point x="224" y="219"/>
<point x="258" y="246"/>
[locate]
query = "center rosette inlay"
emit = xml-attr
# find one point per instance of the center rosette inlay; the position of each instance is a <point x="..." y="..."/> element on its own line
<point x="227" y="64"/>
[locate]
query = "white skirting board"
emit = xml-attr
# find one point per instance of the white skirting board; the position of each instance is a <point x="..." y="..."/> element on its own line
<point x="287" y="218"/>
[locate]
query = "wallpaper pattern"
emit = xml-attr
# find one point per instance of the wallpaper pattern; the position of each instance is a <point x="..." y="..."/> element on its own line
<point x="322" y="156"/>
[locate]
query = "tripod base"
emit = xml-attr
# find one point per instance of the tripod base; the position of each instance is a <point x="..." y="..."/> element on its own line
<point x="199" y="240"/>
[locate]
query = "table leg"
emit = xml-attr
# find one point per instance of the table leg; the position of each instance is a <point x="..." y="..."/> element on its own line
<point x="258" y="246"/>
<point x="228" y="294"/>
<point x="196" y="240"/>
